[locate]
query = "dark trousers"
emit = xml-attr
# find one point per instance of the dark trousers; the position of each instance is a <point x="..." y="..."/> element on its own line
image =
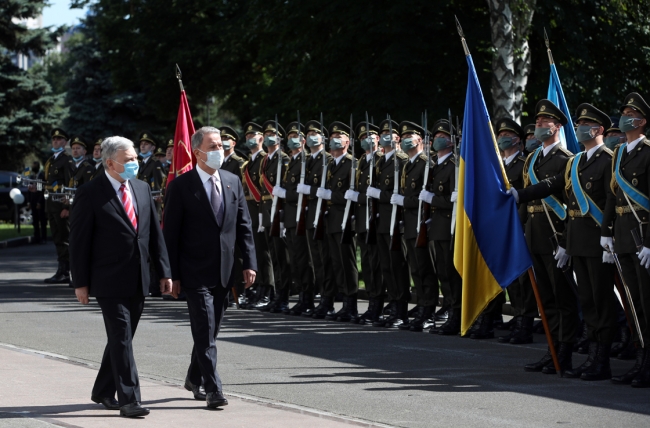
<point x="320" y="257"/>
<point x="207" y="307"/>
<point x="372" y="274"/>
<point x="394" y="269"/>
<point x="559" y="301"/>
<point x="281" y="268"/>
<point x="426" y="287"/>
<point x="638" y="281"/>
<point x="118" y="372"/>
<point x="264" y="263"/>
<point x="495" y="307"/>
<point x="302" y="268"/>
<point x="39" y="221"/>
<point x="60" y="228"/>
<point x="344" y="263"/>
<point x="597" y="298"/>
<point x="522" y="298"/>
<point x="413" y="263"/>
<point x="448" y="274"/>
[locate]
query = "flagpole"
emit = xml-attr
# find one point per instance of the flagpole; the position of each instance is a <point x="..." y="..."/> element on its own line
<point x="178" y="76"/>
<point x="548" y="48"/>
<point x="549" y="339"/>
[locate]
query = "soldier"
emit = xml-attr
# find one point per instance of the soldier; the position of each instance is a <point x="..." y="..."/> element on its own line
<point x="318" y="248"/>
<point x="302" y="269"/>
<point x="419" y="259"/>
<point x="37" y="205"/>
<point x="439" y="196"/>
<point x="343" y="254"/>
<point x="97" y="159"/>
<point x="57" y="175"/>
<point x="532" y="143"/>
<point x="628" y="207"/>
<point x="161" y="156"/>
<point x="169" y="154"/>
<point x="82" y="170"/>
<point x="394" y="269"/>
<point x="251" y="173"/>
<point x="613" y="137"/>
<point x="150" y="169"/>
<point x="544" y="223"/>
<point x="278" y="249"/>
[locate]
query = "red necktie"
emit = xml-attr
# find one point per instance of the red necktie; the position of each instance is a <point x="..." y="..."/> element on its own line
<point x="128" y="206"/>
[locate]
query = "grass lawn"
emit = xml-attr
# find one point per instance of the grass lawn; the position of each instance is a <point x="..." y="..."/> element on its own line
<point x="7" y="231"/>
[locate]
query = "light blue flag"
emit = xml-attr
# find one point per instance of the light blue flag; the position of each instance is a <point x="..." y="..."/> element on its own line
<point x="567" y="133"/>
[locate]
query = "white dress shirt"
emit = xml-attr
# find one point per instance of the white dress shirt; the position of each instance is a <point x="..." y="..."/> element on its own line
<point x="207" y="185"/>
<point x="415" y="157"/>
<point x="338" y="159"/>
<point x="511" y="158"/>
<point x="592" y="150"/>
<point x="116" y="186"/>
<point x="633" y="144"/>
<point x="548" y="149"/>
<point x="443" y="159"/>
<point x="314" y="155"/>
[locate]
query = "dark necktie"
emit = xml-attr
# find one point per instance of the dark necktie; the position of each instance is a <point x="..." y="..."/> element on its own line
<point x="215" y="201"/>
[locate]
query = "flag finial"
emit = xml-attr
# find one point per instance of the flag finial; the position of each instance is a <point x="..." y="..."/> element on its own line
<point x="462" y="36"/>
<point x="178" y="76"/>
<point x="548" y="47"/>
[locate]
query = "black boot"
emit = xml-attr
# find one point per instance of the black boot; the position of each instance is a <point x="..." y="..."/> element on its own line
<point x="485" y="328"/>
<point x="582" y="345"/>
<point x="307" y="305"/>
<point x="349" y="311"/>
<point x="620" y="346"/>
<point x="514" y="325"/>
<point x="279" y="305"/>
<point x="424" y="319"/>
<point x="416" y="313"/>
<point x="57" y="277"/>
<point x="565" y="358"/>
<point x="584" y="367"/>
<point x="443" y="313"/>
<point x="642" y="379"/>
<point x="263" y="301"/>
<point x="543" y="362"/>
<point x="600" y="369"/>
<point x="400" y="317"/>
<point x="510" y="325"/>
<point x="324" y="308"/>
<point x="525" y="333"/>
<point x="297" y="309"/>
<point x="626" y="379"/>
<point x="390" y="308"/>
<point x="372" y="314"/>
<point x="452" y="326"/>
<point x="388" y="314"/>
<point x="474" y="327"/>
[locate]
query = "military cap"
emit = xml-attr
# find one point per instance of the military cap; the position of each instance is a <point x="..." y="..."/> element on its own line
<point x="146" y="136"/>
<point x="529" y="129"/>
<point x="614" y="127"/>
<point x="295" y="127"/>
<point x="160" y="152"/>
<point x="58" y="132"/>
<point x="252" y="128"/>
<point x="507" y="124"/>
<point x="269" y="125"/>
<point x="314" y="125"/>
<point x="407" y="127"/>
<point x="170" y="143"/>
<point x="361" y="129"/>
<point x="228" y="132"/>
<point x="442" y="125"/>
<point x="547" y="108"/>
<point x="98" y="142"/>
<point x="385" y="126"/>
<point x="588" y="112"/>
<point x="637" y="102"/>
<point x="339" y="127"/>
<point x="77" y="140"/>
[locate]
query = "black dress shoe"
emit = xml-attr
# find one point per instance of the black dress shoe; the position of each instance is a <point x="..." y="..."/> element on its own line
<point x="109" y="402"/>
<point x="626" y="379"/>
<point x="324" y="308"/>
<point x="485" y="329"/>
<point x="215" y="399"/>
<point x="591" y="358"/>
<point x="565" y="359"/>
<point x="452" y="326"/>
<point x="600" y="369"/>
<point x="198" y="391"/>
<point x="523" y="332"/>
<point x="133" y="410"/>
<point x="442" y="314"/>
<point x="539" y="365"/>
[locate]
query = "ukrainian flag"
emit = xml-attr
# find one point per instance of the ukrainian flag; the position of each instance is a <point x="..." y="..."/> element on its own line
<point x="490" y="251"/>
<point x="568" y="136"/>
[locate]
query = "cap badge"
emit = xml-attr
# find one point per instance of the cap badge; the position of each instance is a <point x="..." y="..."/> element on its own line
<point x="542" y="108"/>
<point x="336" y="128"/>
<point x="503" y="125"/>
<point x="631" y="100"/>
<point x="250" y="128"/>
<point x="584" y="111"/>
<point x="404" y="128"/>
<point x="363" y="128"/>
<point x="440" y="128"/>
<point x="145" y="136"/>
<point x="56" y="132"/>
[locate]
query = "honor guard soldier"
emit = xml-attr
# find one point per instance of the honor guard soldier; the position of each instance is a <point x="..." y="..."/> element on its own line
<point x="57" y="175"/>
<point x="169" y="154"/>
<point x="232" y="161"/>
<point x="628" y="207"/>
<point x="613" y="136"/>
<point x="420" y="265"/>
<point x="365" y="214"/>
<point x="98" y="167"/>
<point x="161" y="156"/>
<point x="544" y="235"/>
<point x="511" y="139"/>
<point x="150" y="169"/>
<point x="318" y="247"/>
<point x="393" y="266"/>
<point x="251" y="172"/>
<point x="343" y="252"/>
<point x="82" y="169"/>
<point x="532" y="143"/>
<point x="302" y="269"/>
<point x="439" y="196"/>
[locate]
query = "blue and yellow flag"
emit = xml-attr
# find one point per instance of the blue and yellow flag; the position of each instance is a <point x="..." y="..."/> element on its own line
<point x="568" y="136"/>
<point x="490" y="251"/>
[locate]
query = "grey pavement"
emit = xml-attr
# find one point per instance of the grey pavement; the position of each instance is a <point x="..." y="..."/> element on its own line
<point x="359" y="373"/>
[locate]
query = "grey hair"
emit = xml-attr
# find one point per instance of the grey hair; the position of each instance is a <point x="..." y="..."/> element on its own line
<point x="112" y="145"/>
<point x="197" y="138"/>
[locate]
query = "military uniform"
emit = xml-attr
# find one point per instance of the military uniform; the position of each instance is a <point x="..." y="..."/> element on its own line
<point x="98" y="167"/>
<point x="82" y="172"/>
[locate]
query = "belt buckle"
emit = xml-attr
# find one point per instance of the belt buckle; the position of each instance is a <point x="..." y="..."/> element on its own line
<point x="572" y="213"/>
<point x="620" y="210"/>
<point x="531" y="209"/>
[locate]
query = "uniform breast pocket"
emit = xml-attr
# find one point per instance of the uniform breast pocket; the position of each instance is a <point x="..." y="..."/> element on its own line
<point x="637" y="176"/>
<point x="592" y="180"/>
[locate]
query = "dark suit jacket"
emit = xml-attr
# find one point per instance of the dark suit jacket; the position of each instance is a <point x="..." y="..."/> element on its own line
<point x="106" y="253"/>
<point x="200" y="253"/>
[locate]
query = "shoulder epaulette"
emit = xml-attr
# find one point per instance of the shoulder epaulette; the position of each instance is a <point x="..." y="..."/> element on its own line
<point x="348" y="156"/>
<point x="380" y="154"/>
<point x="565" y="151"/>
<point x="521" y="158"/>
<point x="452" y="160"/>
<point x="646" y="141"/>
<point x="236" y="157"/>
<point x="423" y="157"/>
<point x="609" y="152"/>
<point x="402" y="155"/>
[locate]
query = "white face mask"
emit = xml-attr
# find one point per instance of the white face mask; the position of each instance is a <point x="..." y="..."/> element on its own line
<point x="215" y="158"/>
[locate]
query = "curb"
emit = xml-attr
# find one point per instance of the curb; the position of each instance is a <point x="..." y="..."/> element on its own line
<point x="16" y="242"/>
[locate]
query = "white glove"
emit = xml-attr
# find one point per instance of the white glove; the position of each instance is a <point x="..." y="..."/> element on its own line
<point x="607" y="243"/>
<point x="426" y="196"/>
<point x="279" y="192"/>
<point x="562" y="257"/>
<point x="397" y="200"/>
<point x="512" y="191"/>
<point x="324" y="193"/>
<point x="305" y="189"/>
<point x="283" y="231"/>
<point x="608" y="257"/>
<point x="454" y="196"/>
<point x="351" y="195"/>
<point x="373" y="192"/>
<point x="644" y="256"/>
<point x="260" y="229"/>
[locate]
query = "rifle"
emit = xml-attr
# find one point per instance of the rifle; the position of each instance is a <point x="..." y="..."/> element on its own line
<point x="396" y="215"/>
<point x="424" y="209"/>
<point x="346" y="226"/>
<point x="301" y="212"/>
<point x="371" y="206"/>
<point x="455" y="144"/>
<point x="321" y="206"/>
<point x="276" y="207"/>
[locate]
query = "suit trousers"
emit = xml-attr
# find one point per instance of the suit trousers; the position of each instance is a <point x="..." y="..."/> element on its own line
<point x="206" y="307"/>
<point x="448" y="274"/>
<point x="394" y="270"/>
<point x="522" y="298"/>
<point x="558" y="299"/>
<point x="371" y="272"/>
<point x="638" y="281"/>
<point x="597" y="298"/>
<point x="118" y="372"/>
<point x="344" y="263"/>
<point x="302" y="268"/>
<point x="320" y="257"/>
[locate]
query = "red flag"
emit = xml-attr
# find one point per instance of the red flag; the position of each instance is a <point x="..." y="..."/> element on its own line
<point x="183" y="160"/>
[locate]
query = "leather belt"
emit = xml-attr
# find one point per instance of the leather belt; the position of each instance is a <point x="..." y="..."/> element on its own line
<point x="577" y="214"/>
<point x="535" y="208"/>
<point x="626" y="209"/>
<point x="264" y="198"/>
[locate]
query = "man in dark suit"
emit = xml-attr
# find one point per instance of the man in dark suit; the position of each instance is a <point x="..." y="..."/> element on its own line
<point x="206" y="217"/>
<point x="114" y="237"/>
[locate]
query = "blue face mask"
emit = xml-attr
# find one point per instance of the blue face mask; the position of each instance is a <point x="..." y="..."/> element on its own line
<point x="505" y="142"/>
<point x="59" y="150"/>
<point x="408" y="144"/>
<point x="385" y="140"/>
<point x="440" y="143"/>
<point x="77" y="159"/>
<point x="145" y="155"/>
<point x="584" y="133"/>
<point x="336" y="143"/>
<point x="97" y="160"/>
<point x="251" y="143"/>
<point x="366" y="144"/>
<point x="612" y="142"/>
<point x="313" y="140"/>
<point x="226" y="144"/>
<point x="294" y="143"/>
<point x="270" y="140"/>
<point x="532" y="145"/>
<point x="626" y="123"/>
<point x="130" y="170"/>
<point x="543" y="134"/>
